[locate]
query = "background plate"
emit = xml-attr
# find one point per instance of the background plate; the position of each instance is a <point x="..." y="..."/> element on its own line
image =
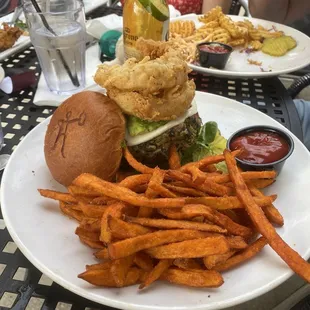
<point x="238" y="65"/>
<point x="24" y="41"/>
<point x="47" y="238"/>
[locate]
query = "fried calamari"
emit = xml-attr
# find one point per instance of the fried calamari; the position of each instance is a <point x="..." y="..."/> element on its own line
<point x="8" y="36"/>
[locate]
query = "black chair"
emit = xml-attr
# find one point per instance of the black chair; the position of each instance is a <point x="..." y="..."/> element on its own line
<point x="8" y="6"/>
<point x="235" y="7"/>
<point x="299" y="85"/>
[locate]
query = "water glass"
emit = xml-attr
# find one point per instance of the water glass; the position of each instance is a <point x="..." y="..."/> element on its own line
<point x="57" y="31"/>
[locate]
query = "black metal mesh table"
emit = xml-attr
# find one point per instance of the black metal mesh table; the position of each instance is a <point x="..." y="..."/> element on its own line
<point x="21" y="284"/>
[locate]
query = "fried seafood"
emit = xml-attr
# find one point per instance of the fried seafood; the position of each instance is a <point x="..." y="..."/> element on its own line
<point x="151" y="89"/>
<point x="175" y="45"/>
<point x="8" y="36"/>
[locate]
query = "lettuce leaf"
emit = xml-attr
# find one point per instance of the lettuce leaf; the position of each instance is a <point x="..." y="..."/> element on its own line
<point x="209" y="142"/>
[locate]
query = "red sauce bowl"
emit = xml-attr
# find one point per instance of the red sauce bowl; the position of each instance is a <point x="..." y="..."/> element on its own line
<point x="213" y="54"/>
<point x="264" y="147"/>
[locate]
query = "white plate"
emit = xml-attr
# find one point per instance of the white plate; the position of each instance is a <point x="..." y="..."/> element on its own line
<point x="47" y="238"/>
<point x="238" y="66"/>
<point x="24" y="41"/>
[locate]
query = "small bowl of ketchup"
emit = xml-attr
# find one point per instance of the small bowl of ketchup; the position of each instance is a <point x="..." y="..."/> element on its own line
<point x="264" y="147"/>
<point x="213" y="54"/>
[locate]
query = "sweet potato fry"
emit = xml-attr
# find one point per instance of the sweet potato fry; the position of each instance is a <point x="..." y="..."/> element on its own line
<point x="186" y="263"/>
<point x="197" y="175"/>
<point x="260" y="183"/>
<point x="104" y="265"/>
<point x="67" y="210"/>
<point x="103" y="277"/>
<point x="133" y="181"/>
<point x="102" y="254"/>
<point x="91" y="224"/>
<point x="91" y="235"/>
<point x="65" y="197"/>
<point x="123" y="230"/>
<point x="114" y="210"/>
<point x="103" y="200"/>
<point x="77" y="191"/>
<point x="156" y="272"/>
<point x="91" y="243"/>
<point x="231" y="202"/>
<point x="248" y="175"/>
<point x="162" y="191"/>
<point x="135" y="164"/>
<point x="243" y="256"/>
<point x="271" y="212"/>
<point x="195" y="278"/>
<point x="133" y="245"/>
<point x="120" y="268"/>
<point x="155" y="187"/>
<point x="208" y="160"/>
<point x="124" y="194"/>
<point x="75" y="207"/>
<point x="191" y="248"/>
<point x="156" y="178"/>
<point x="175" y="214"/>
<point x="291" y="257"/>
<point x="174" y="157"/>
<point x="208" y="187"/>
<point x="94" y="211"/>
<point x="174" y="224"/>
<point x="186" y="191"/>
<point x="218" y="218"/>
<point x="143" y="261"/>
<point x="213" y="260"/>
<point x="210" y="168"/>
<point x="236" y="242"/>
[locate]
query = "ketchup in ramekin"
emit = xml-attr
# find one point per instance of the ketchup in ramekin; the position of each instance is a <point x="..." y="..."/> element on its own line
<point x="213" y="54"/>
<point x="263" y="147"/>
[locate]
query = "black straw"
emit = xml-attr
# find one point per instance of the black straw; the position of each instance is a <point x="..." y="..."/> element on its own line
<point x="74" y="79"/>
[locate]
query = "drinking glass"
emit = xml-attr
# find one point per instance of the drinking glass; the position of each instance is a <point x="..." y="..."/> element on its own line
<point x="57" y="31"/>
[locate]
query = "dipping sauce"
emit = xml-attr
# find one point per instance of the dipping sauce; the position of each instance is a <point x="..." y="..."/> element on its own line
<point x="261" y="147"/>
<point x="214" y="48"/>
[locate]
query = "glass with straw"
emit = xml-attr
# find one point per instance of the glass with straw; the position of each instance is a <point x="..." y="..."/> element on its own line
<point x="58" y="34"/>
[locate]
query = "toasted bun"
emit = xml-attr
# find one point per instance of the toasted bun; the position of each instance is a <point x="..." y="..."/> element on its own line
<point x="85" y="135"/>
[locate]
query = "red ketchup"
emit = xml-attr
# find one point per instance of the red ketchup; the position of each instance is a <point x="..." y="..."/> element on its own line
<point x="260" y="147"/>
<point x="214" y="48"/>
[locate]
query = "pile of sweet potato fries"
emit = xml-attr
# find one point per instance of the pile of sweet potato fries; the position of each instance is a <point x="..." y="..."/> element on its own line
<point x="184" y="225"/>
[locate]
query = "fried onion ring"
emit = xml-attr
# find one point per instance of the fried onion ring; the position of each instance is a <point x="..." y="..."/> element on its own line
<point x="169" y="105"/>
<point x="151" y="89"/>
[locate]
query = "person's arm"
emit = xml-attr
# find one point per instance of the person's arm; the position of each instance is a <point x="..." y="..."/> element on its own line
<point x="207" y="5"/>
<point x="281" y="11"/>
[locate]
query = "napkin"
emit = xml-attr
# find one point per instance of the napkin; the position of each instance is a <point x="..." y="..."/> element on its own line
<point x="98" y="26"/>
<point x="44" y="97"/>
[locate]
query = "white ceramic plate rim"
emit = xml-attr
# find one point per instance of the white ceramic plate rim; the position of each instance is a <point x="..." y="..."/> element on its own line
<point x="112" y="302"/>
<point x="254" y="74"/>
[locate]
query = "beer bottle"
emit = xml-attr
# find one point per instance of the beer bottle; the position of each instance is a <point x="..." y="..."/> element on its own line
<point x="148" y="19"/>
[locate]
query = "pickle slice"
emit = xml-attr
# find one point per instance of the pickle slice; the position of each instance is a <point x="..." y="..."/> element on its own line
<point x="157" y="8"/>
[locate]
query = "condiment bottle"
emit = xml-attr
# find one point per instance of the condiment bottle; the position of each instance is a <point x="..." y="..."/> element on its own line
<point x="148" y="19"/>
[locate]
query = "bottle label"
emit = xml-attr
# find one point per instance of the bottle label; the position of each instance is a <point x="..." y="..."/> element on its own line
<point x="139" y="22"/>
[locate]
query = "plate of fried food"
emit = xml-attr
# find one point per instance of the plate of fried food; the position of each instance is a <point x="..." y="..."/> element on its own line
<point x="13" y="38"/>
<point x="260" y="48"/>
<point x="129" y="202"/>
